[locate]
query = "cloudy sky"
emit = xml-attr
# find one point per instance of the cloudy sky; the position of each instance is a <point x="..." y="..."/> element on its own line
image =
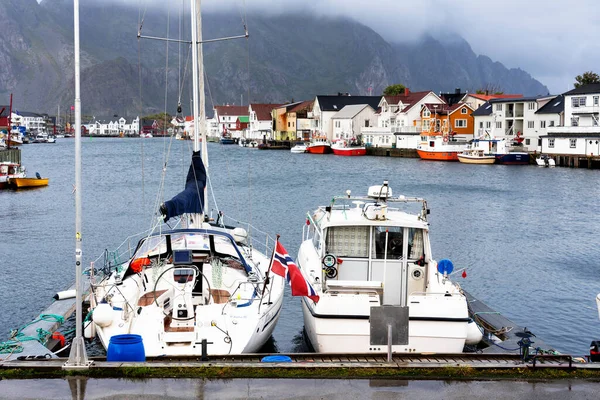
<point x="553" y="40"/>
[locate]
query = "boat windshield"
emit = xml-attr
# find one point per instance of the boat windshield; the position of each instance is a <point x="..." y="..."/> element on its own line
<point x="152" y="246"/>
<point x="393" y="249"/>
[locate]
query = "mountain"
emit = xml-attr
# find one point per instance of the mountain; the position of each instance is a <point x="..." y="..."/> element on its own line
<point x="286" y="57"/>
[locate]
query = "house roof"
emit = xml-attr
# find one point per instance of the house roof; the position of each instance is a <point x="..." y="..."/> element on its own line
<point x="350" y="111"/>
<point x="412" y="99"/>
<point x="517" y="100"/>
<point x="445" y="108"/>
<point x="305" y="105"/>
<point x="554" y="106"/>
<point x="585" y="89"/>
<point x="487" y="97"/>
<point x="263" y="110"/>
<point x="336" y="103"/>
<point x="485" y="109"/>
<point x="231" y="110"/>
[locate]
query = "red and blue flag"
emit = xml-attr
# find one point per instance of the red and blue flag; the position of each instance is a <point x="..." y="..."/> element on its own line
<point x="284" y="266"/>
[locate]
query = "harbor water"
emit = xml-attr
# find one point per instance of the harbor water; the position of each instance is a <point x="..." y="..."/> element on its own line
<point x="527" y="236"/>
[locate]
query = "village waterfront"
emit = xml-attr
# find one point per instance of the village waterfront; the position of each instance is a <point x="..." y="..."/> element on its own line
<point x="526" y="235"/>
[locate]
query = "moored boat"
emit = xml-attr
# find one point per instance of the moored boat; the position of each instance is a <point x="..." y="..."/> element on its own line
<point x="10" y="170"/>
<point x="299" y="148"/>
<point x="476" y="156"/>
<point x="343" y="148"/>
<point x="545" y="160"/>
<point x="369" y="253"/>
<point x="205" y="289"/>
<point x="319" y="146"/>
<point x="504" y="152"/>
<point x="440" y="148"/>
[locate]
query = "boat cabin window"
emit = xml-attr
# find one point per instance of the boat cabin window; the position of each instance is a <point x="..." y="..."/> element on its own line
<point x="190" y="241"/>
<point x="415" y="244"/>
<point x="394" y="242"/>
<point x="317" y="240"/>
<point x="348" y="241"/>
<point x="152" y="246"/>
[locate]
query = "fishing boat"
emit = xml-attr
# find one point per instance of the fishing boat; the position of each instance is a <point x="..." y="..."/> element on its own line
<point x="319" y="146"/>
<point x="205" y="288"/>
<point x="476" y="156"/>
<point x="346" y="148"/>
<point x="440" y="148"/>
<point x="10" y="170"/>
<point x="299" y="148"/>
<point x="505" y="152"/>
<point x="365" y="254"/>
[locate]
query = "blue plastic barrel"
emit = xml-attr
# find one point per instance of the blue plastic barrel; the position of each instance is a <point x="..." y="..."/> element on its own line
<point x="126" y="348"/>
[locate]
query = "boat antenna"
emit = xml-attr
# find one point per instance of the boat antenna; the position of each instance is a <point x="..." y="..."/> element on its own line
<point x="78" y="357"/>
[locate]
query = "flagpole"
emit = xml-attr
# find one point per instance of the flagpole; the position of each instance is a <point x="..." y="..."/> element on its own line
<point x="268" y="271"/>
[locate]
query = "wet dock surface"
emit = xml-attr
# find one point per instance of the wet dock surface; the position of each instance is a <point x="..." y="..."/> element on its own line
<point x="380" y="389"/>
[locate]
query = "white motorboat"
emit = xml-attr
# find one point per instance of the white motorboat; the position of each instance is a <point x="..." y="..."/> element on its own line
<point x="545" y="161"/>
<point x="299" y="148"/>
<point x="10" y="170"/>
<point x="368" y="252"/>
<point x="206" y="289"/>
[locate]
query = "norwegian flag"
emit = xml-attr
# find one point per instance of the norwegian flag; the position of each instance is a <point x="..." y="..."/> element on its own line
<point x="284" y="266"/>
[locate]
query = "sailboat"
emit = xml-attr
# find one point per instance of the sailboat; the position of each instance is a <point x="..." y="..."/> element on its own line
<point x="201" y="290"/>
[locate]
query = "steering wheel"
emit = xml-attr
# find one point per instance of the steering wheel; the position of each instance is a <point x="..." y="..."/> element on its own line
<point x="180" y="291"/>
<point x="395" y="246"/>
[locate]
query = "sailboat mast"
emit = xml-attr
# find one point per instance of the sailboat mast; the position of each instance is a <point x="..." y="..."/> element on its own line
<point x="77" y="357"/>
<point x="202" y="121"/>
<point x="195" y="75"/>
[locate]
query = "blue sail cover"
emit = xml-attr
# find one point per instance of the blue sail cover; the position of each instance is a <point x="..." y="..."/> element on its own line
<point x="190" y="200"/>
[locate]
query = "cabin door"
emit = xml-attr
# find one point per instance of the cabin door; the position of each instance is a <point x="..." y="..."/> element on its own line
<point x="389" y="264"/>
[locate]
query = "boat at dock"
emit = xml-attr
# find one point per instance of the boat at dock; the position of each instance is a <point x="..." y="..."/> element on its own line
<point x="440" y="148"/>
<point x="205" y="288"/>
<point x="10" y="170"/>
<point x="476" y="156"/>
<point x="319" y="146"/>
<point x="299" y="148"/>
<point x="345" y="148"/>
<point x="545" y="160"/>
<point x="367" y="252"/>
<point x="505" y="152"/>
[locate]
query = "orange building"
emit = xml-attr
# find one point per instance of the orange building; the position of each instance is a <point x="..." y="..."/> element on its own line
<point x="444" y="120"/>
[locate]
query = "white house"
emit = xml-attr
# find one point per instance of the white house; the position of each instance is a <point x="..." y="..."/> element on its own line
<point x="260" y="121"/>
<point x="399" y="120"/>
<point x="325" y="107"/>
<point x="225" y="117"/>
<point x="32" y="122"/>
<point x="118" y="127"/>
<point x="580" y="133"/>
<point x="512" y="118"/>
<point x="348" y="122"/>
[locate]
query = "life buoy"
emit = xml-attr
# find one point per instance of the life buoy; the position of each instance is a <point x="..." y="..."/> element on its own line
<point x="445" y="139"/>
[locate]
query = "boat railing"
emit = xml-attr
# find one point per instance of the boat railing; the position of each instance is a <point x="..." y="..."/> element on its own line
<point x="258" y="239"/>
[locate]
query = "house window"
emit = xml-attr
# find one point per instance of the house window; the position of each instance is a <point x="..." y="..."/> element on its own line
<point x="572" y="143"/>
<point x="551" y="143"/>
<point x="463" y="111"/>
<point x="578" y="101"/>
<point x="499" y="125"/>
<point x="460" y="123"/>
<point x="531" y="106"/>
<point x="289" y="125"/>
<point x="531" y="124"/>
<point x="367" y="122"/>
<point x="426" y="113"/>
<point x="550" y="123"/>
<point x="527" y="141"/>
<point x="426" y="125"/>
<point x="488" y="124"/>
<point x="542" y="124"/>
<point x="498" y="107"/>
<point x="481" y="124"/>
<point x="596" y="100"/>
<point x="575" y="121"/>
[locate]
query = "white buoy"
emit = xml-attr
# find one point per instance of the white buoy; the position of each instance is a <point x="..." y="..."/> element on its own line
<point x="65" y="294"/>
<point x="103" y="315"/>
